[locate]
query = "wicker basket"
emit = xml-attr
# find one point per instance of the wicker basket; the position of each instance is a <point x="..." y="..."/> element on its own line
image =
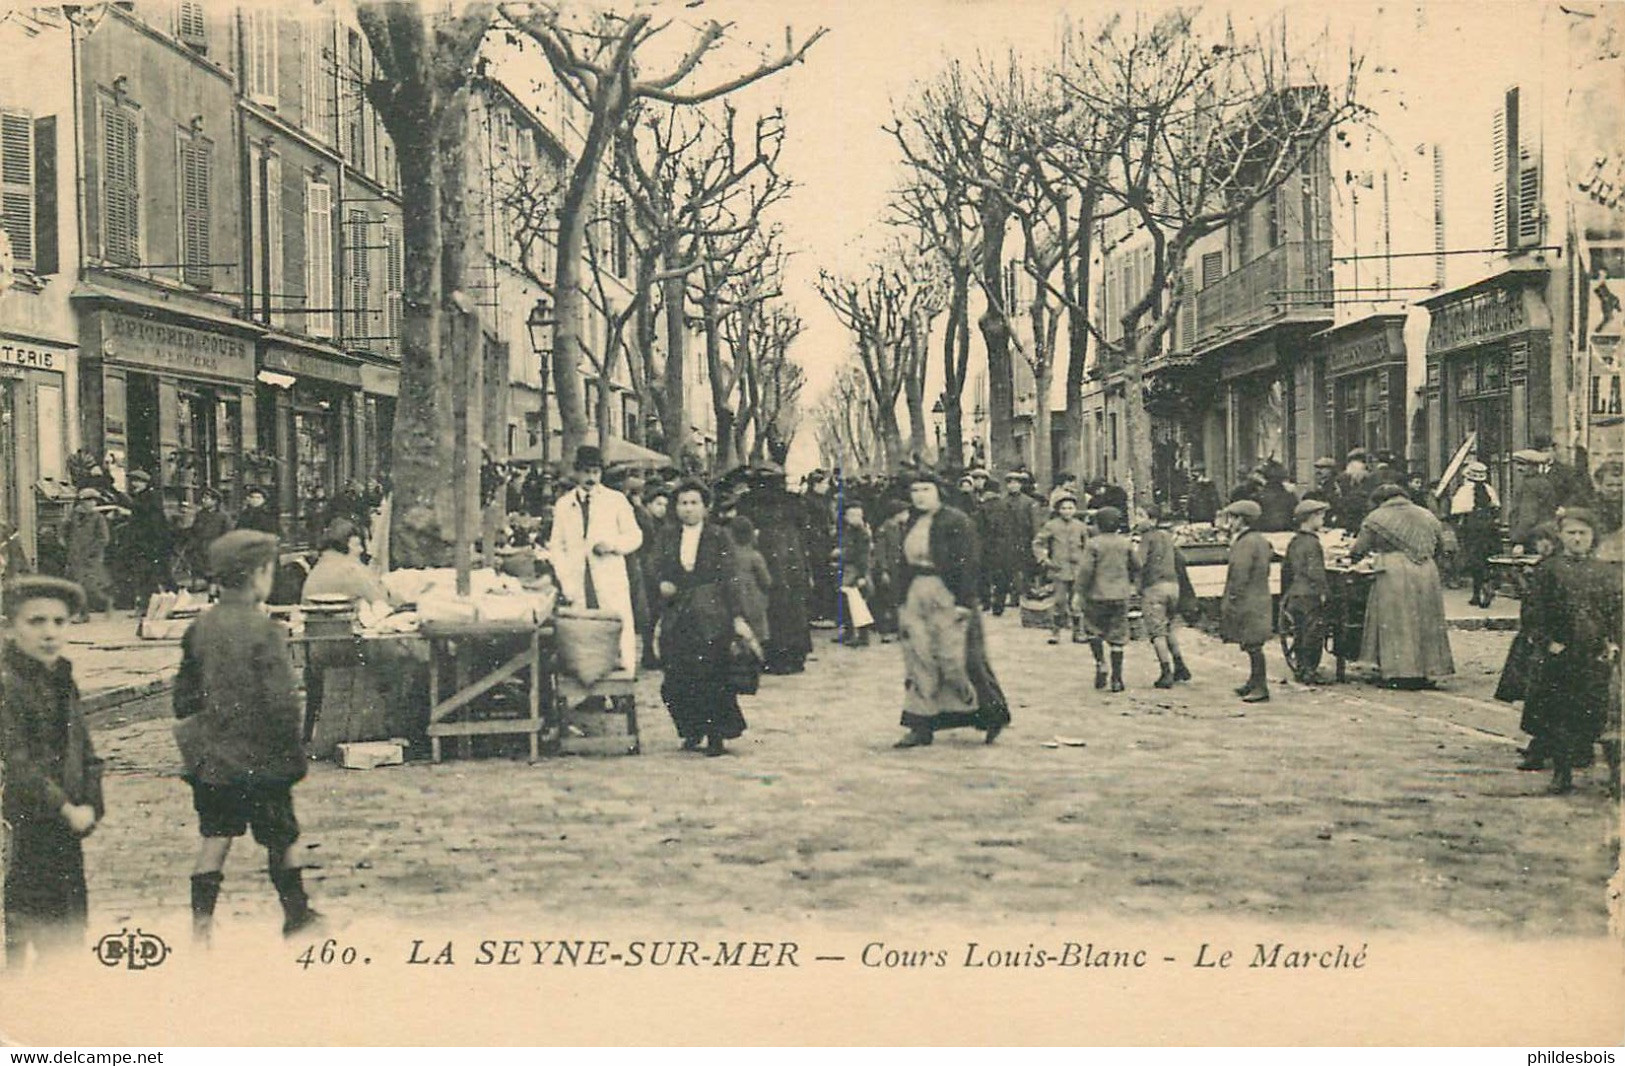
<point x="589" y="643"/>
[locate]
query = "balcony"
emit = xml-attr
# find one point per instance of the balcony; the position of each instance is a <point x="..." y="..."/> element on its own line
<point x="1292" y="282"/>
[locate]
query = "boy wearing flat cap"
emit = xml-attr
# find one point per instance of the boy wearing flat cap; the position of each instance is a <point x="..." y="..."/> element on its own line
<point x="50" y="777"/>
<point x="1245" y="618"/>
<point x="239" y="730"/>
<point x="1305" y="590"/>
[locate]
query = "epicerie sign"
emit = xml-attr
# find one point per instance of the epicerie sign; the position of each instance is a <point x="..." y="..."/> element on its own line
<point x="169" y="347"/>
<point x="1479" y="317"/>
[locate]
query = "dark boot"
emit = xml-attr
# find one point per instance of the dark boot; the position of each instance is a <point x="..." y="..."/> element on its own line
<point x="290" y="892"/>
<point x="917" y="738"/>
<point x="1097" y="649"/>
<point x="1180" y="672"/>
<point x="205" y="891"/>
<point x="1117" y="670"/>
<point x="715" y="747"/>
<point x="1165" y="679"/>
<point x="1534" y="756"/>
<point x="1562" y="779"/>
<point x="692" y="743"/>
<point x="1257" y="689"/>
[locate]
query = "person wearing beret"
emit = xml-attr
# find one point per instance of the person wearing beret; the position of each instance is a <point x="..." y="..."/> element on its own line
<point x="1576" y="611"/>
<point x="1245" y="617"/>
<point x="84" y="539"/>
<point x="1305" y="590"/>
<point x="1405" y="633"/>
<point x="50" y="777"/>
<point x="594" y="530"/>
<point x="239" y="731"/>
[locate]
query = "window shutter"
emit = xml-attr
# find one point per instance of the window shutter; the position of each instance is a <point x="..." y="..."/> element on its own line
<point x="1529" y="213"/>
<point x="1187" y="313"/>
<point x="196" y="154"/>
<point x="262" y="72"/>
<point x="47" y="252"/>
<point x="395" y="279"/>
<point x="1212" y="268"/>
<point x="277" y="290"/>
<point x="1498" y="168"/>
<point x="190" y="26"/>
<point x="1438" y="216"/>
<point x="121" y="185"/>
<point x="319" y="259"/>
<point x="17" y="185"/>
<point x="360" y="277"/>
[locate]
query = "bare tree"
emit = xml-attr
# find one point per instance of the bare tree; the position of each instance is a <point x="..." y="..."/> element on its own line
<point x="597" y="59"/>
<point x="1204" y="127"/>
<point x="776" y="383"/>
<point x="845" y="425"/>
<point x="689" y="175"/>
<point x="736" y="276"/>
<point x="953" y="137"/>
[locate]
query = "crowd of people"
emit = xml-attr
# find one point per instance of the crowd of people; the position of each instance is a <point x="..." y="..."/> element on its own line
<point x="718" y="583"/>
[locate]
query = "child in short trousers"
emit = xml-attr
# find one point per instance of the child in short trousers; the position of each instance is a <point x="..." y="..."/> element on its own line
<point x="1107" y="574"/>
<point x="239" y="731"/>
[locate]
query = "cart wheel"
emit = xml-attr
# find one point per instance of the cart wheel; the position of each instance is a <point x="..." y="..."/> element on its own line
<point x="1289" y="639"/>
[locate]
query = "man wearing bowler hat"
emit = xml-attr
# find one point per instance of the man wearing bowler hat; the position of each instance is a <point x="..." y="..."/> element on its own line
<point x="594" y="530"/>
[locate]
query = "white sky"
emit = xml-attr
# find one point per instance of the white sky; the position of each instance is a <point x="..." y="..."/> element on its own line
<point x="1441" y="64"/>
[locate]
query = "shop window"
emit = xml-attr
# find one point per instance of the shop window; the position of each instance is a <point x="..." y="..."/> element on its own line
<point x="195" y="163"/>
<point x="121" y="183"/>
<point x="49" y="425"/>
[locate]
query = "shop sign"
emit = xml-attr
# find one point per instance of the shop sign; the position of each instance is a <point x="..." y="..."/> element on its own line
<point x="1474" y="319"/>
<point x="1251" y="361"/>
<point x="310" y="365"/>
<point x="1362" y="353"/>
<point x="29" y="358"/>
<point x="163" y="346"/>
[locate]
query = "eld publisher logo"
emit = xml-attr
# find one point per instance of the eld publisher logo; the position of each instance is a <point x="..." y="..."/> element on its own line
<point x="133" y="951"/>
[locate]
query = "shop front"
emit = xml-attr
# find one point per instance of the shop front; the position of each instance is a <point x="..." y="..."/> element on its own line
<point x="175" y="399"/>
<point x="313" y="408"/>
<point x="380" y="388"/>
<point x="1489" y="371"/>
<point x="1258" y="412"/>
<point x="34" y="481"/>
<point x="1362" y="368"/>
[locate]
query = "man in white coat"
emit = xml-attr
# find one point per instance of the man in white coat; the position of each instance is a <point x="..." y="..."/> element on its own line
<point x="594" y="530"/>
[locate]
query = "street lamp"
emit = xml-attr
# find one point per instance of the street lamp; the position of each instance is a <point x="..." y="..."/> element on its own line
<point x="938" y="421"/>
<point x="540" y="323"/>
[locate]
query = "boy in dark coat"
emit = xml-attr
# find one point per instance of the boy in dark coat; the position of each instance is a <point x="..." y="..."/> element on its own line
<point x="1577" y="614"/>
<point x="752" y="578"/>
<point x="1162" y="582"/>
<point x="50" y="777"/>
<point x="1245" y="618"/>
<point x="1107" y="575"/>
<point x="239" y="730"/>
<point x="854" y="554"/>
<point x="1305" y="590"/>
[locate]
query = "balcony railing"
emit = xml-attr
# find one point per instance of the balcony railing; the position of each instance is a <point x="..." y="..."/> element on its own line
<point x="1292" y="280"/>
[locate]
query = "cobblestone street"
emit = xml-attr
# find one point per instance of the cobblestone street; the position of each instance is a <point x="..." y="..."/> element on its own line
<point x="1344" y="804"/>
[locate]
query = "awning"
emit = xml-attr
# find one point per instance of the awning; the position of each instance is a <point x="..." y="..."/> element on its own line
<point x="621" y="451"/>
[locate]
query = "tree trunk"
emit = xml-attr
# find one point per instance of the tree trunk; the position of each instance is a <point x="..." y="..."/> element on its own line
<point x="914" y="396"/>
<point x="642" y="361"/>
<point x="719" y="393"/>
<point x="1001" y="398"/>
<point x="1138" y="427"/>
<point x="424" y="498"/>
<point x="1077" y="330"/>
<point x="673" y="403"/>
<point x="955" y="355"/>
<point x="1043" y="381"/>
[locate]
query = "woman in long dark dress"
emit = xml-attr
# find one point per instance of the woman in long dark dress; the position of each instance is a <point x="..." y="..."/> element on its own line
<point x="950" y="683"/>
<point x="702" y="614"/>
<point x="780" y="519"/>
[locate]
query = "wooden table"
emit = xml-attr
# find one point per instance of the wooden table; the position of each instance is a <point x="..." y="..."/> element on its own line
<point x="461" y="642"/>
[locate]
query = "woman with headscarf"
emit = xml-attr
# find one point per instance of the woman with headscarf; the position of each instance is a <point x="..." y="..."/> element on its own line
<point x="1476" y="512"/>
<point x="1405" y="634"/>
<point x="950" y="683"/>
<point x="702" y="614"/>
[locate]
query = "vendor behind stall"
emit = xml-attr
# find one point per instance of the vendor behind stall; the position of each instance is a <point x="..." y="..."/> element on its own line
<point x="340" y="571"/>
<point x="594" y="530"/>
